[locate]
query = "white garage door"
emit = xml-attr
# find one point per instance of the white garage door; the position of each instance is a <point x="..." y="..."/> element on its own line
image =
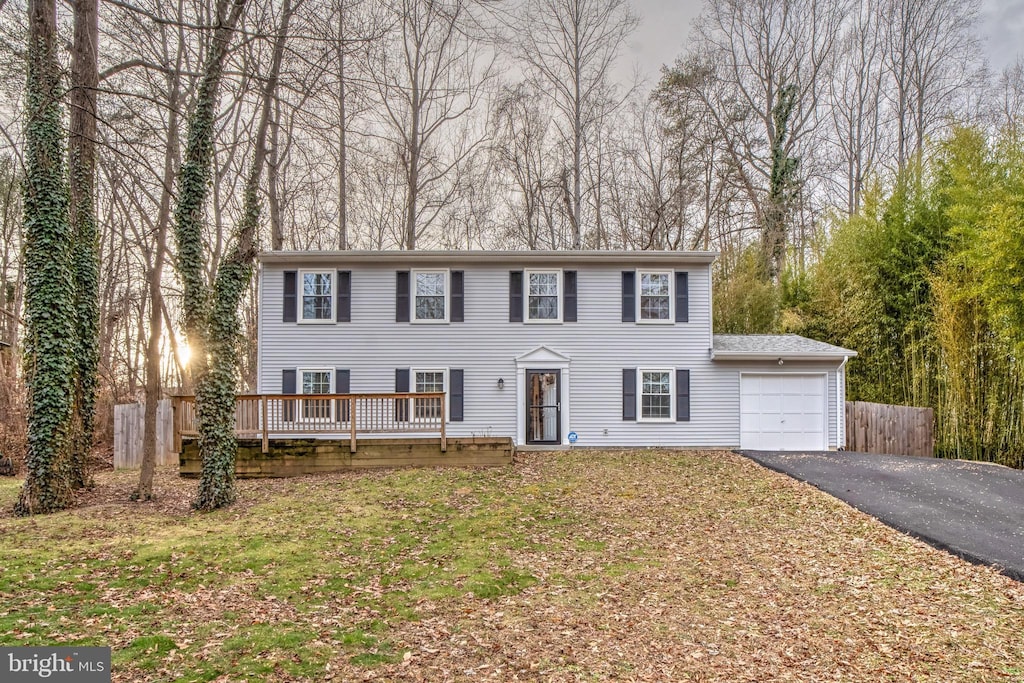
<point x="783" y="412"/>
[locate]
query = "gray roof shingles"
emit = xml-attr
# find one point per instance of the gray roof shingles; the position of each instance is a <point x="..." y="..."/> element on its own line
<point x="775" y="344"/>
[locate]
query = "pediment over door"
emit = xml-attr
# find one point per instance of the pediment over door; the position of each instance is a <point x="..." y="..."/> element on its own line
<point x="542" y="355"/>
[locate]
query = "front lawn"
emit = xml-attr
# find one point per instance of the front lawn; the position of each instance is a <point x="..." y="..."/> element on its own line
<point x="579" y="566"/>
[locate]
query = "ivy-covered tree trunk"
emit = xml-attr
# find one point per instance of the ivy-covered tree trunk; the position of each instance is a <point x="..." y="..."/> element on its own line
<point x="216" y="398"/>
<point x="85" y="241"/>
<point x="781" y="187"/>
<point x="49" y="296"/>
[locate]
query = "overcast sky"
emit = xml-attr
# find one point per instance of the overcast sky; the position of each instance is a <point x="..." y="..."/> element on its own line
<point x="664" y="25"/>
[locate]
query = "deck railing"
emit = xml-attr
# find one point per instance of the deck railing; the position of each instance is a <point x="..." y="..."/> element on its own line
<point x="265" y="415"/>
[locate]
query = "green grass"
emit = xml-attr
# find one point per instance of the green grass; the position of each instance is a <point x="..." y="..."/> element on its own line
<point x="377" y="544"/>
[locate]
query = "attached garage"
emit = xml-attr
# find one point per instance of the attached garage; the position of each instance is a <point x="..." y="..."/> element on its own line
<point x="783" y="412"/>
<point x="790" y="390"/>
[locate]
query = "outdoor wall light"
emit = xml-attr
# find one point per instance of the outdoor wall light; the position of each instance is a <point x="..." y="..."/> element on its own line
<point x="501" y="383"/>
<point x="780" y="361"/>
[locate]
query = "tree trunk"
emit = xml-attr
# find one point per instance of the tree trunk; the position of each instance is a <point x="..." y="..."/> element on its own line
<point x="215" y="397"/>
<point x="85" y="245"/>
<point x="342" y="142"/>
<point x="156" y="303"/>
<point x="49" y="296"/>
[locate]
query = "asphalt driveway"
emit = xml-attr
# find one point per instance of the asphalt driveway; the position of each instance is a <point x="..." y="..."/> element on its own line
<point x="973" y="510"/>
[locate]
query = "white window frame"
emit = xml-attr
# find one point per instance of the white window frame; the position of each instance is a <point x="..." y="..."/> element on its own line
<point x="412" y="389"/>
<point x="301" y="286"/>
<point x="671" y="395"/>
<point x="557" y="272"/>
<point x="301" y="414"/>
<point x="671" y="297"/>
<point x="447" y="296"/>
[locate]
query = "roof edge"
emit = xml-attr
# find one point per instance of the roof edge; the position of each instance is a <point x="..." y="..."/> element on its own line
<point x="790" y="355"/>
<point x="484" y="256"/>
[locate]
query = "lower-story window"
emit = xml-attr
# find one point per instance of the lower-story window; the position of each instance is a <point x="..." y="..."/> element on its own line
<point x="656" y="394"/>
<point x="428" y="381"/>
<point x="316" y="382"/>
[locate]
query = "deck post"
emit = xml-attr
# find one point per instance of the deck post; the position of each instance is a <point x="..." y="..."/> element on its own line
<point x="266" y="427"/>
<point x="352" y="423"/>
<point x="176" y="423"/>
<point x="444" y="439"/>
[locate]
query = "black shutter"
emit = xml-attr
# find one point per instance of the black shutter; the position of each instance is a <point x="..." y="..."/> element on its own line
<point x="402" y="296"/>
<point x="402" y="387"/>
<point x="458" y="297"/>
<point x="288" y="387"/>
<point x="569" y="310"/>
<point x="515" y="296"/>
<point x="290" y="296"/>
<point x="629" y="393"/>
<point x="344" y="296"/>
<point x="341" y="386"/>
<point x="628" y="296"/>
<point x="682" y="298"/>
<point x="456" y="396"/>
<point x="682" y="395"/>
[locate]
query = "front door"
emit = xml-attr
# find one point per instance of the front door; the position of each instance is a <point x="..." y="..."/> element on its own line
<point x="543" y="406"/>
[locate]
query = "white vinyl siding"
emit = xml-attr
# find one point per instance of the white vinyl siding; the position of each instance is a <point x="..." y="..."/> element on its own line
<point x="486" y="347"/>
<point x="316" y="296"/>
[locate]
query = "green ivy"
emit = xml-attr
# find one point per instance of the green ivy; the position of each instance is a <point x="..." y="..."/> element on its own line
<point x="49" y="291"/>
<point x="85" y="262"/>
<point x="211" y="318"/>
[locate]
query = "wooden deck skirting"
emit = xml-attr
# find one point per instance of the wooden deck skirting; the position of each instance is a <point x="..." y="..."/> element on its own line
<point x="291" y="457"/>
<point x="266" y="416"/>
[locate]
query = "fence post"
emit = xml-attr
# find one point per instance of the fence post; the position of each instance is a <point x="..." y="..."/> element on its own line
<point x="352" y="423"/>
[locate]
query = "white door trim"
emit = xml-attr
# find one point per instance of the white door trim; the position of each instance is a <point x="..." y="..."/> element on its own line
<point x="542" y="358"/>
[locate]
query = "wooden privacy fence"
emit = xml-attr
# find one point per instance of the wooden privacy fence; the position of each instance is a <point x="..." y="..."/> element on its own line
<point x="129" y="425"/>
<point x="261" y="416"/>
<point x="890" y="430"/>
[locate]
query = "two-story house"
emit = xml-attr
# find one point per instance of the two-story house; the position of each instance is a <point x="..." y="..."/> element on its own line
<point x="596" y="348"/>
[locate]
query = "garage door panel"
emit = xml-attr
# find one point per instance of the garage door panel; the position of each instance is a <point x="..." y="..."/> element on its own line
<point x="783" y="411"/>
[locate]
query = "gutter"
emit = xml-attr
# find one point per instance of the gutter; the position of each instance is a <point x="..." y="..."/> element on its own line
<point x="480" y="256"/>
<point x="809" y="356"/>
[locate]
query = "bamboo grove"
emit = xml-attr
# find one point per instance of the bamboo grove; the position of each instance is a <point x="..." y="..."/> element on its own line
<point x="925" y="282"/>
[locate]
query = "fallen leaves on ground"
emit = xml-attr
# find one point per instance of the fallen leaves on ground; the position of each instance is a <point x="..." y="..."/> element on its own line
<point x="606" y="565"/>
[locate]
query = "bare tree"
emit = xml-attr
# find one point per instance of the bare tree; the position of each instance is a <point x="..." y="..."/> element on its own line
<point x="855" y="93"/>
<point x="429" y="76"/>
<point x="570" y="47"/>
<point x="931" y="56"/>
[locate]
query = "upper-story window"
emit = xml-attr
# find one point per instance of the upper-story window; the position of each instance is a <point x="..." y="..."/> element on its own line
<point x="542" y="295"/>
<point x="430" y="288"/>
<point x="655" y="299"/>
<point x="317" y="296"/>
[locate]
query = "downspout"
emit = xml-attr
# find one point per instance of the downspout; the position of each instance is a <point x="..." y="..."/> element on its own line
<point x="841" y="405"/>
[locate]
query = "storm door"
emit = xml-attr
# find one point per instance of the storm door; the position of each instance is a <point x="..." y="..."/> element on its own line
<point x="543" y="407"/>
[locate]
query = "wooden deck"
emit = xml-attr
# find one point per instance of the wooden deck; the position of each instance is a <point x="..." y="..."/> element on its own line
<point x="269" y="417"/>
<point x="289" y="457"/>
